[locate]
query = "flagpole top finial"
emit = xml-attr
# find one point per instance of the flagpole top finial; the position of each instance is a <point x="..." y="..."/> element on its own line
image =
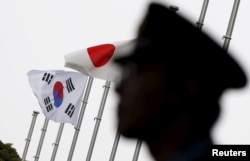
<point x="173" y="8"/>
<point x="35" y="112"/>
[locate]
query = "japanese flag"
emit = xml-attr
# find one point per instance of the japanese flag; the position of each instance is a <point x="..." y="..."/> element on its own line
<point x="96" y="61"/>
<point x="59" y="93"/>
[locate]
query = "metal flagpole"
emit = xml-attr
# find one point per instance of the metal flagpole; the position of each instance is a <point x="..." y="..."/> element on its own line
<point x="202" y="15"/>
<point x="44" y="129"/>
<point x="139" y="142"/>
<point x="28" y="139"/>
<point x="137" y="150"/>
<point x="98" y="119"/>
<point x="56" y="144"/>
<point x="115" y="145"/>
<point x="79" y="122"/>
<point x="231" y="24"/>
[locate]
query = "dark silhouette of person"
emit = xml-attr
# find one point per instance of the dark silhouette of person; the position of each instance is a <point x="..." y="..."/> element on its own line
<point x="171" y="86"/>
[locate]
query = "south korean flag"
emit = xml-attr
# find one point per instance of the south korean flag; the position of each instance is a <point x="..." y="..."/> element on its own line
<point x="59" y="93"/>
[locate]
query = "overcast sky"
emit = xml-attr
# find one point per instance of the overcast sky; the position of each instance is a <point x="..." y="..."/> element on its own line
<point x="37" y="35"/>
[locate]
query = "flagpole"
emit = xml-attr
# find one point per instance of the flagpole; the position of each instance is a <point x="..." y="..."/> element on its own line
<point x="228" y="35"/>
<point x="56" y="144"/>
<point x="44" y="129"/>
<point x="28" y="139"/>
<point x="137" y="150"/>
<point x="202" y="14"/>
<point x="79" y="122"/>
<point x="115" y="145"/>
<point x="98" y="119"/>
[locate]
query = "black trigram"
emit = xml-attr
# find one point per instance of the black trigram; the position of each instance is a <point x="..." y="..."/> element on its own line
<point x="48" y="104"/>
<point x="69" y="85"/>
<point x="70" y="110"/>
<point x="47" y="77"/>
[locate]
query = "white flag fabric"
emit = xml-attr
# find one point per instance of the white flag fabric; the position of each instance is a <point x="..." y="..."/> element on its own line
<point x="96" y="61"/>
<point x="59" y="93"/>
